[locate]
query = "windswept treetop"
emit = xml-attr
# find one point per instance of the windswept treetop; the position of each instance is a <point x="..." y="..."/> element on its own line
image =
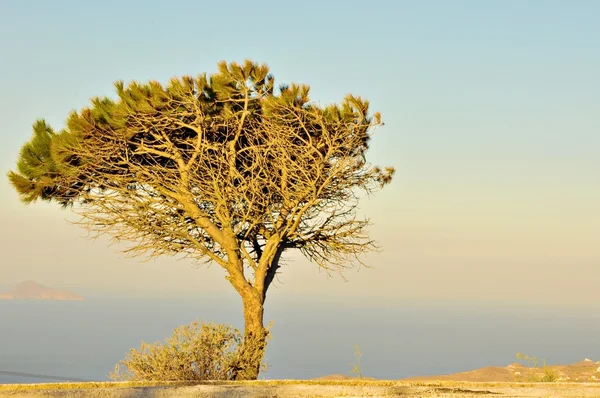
<point x="223" y="167"/>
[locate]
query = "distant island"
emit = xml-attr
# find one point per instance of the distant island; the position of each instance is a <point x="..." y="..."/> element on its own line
<point x="30" y="290"/>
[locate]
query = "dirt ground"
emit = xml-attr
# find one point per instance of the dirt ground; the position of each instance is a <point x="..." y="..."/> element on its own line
<point x="313" y="389"/>
<point x="581" y="379"/>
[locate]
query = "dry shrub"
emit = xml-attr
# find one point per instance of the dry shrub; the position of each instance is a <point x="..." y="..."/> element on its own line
<point x="198" y="351"/>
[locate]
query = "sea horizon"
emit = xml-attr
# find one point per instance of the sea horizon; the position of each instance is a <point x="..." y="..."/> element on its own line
<point x="85" y="339"/>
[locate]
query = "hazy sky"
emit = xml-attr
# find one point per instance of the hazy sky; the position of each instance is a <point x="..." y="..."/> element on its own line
<point x="492" y="112"/>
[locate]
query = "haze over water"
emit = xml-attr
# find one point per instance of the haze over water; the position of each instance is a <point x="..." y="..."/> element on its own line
<point x="85" y="339"/>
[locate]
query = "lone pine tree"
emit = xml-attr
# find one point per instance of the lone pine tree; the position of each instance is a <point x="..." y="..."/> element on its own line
<point x="224" y="168"/>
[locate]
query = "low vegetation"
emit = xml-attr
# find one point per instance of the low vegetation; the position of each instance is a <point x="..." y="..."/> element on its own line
<point x="195" y="352"/>
<point x="356" y="369"/>
<point x="548" y="376"/>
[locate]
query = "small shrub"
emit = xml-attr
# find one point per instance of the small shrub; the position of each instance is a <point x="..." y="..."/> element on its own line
<point x="531" y="361"/>
<point x="549" y="375"/>
<point x="356" y="370"/>
<point x="198" y="351"/>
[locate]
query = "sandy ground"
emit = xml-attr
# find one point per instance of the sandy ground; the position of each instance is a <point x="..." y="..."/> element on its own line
<point x="300" y="389"/>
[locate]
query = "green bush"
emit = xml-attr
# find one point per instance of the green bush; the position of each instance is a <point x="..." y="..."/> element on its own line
<point x="198" y="351"/>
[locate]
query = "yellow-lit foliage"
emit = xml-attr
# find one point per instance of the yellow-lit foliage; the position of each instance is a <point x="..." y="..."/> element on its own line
<point x="195" y="352"/>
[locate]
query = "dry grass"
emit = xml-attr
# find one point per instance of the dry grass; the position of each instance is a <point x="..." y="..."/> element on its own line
<point x="195" y="352"/>
<point x="349" y="383"/>
<point x="302" y="389"/>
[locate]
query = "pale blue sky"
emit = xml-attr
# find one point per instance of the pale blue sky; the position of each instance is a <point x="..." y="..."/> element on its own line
<point x="492" y="121"/>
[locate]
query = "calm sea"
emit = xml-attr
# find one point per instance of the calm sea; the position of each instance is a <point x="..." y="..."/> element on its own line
<point x="313" y="338"/>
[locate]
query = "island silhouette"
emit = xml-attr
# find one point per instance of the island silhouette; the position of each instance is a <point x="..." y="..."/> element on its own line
<point x="30" y="290"/>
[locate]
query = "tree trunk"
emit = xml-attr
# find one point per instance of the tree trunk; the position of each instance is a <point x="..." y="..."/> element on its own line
<point x="255" y="339"/>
